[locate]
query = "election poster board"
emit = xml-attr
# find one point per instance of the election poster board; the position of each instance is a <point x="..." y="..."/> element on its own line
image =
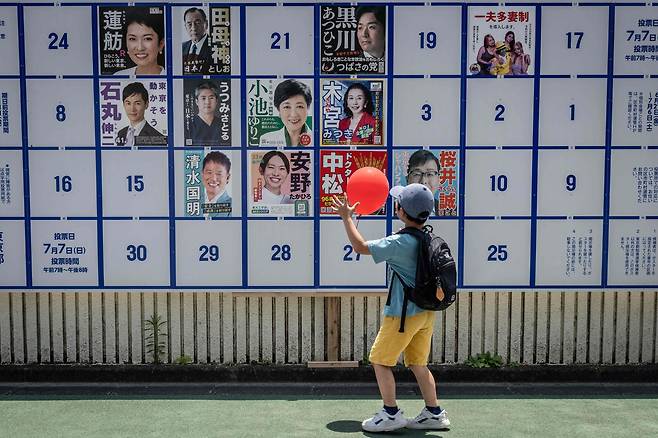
<point x="174" y="145"/>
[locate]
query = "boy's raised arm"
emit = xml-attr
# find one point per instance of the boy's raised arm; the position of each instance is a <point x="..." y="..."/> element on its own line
<point x="345" y="212"/>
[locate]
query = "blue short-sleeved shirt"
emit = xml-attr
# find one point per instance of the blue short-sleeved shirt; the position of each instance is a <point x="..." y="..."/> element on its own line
<point x="400" y="252"/>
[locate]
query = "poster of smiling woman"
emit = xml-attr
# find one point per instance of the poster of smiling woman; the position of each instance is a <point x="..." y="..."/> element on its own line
<point x="280" y="112"/>
<point x="280" y="183"/>
<point x="132" y="40"/>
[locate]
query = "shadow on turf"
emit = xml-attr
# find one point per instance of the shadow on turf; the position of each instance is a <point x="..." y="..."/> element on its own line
<point x="352" y="426"/>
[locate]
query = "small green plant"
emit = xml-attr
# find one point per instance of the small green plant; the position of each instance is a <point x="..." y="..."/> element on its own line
<point x="485" y="360"/>
<point x="183" y="359"/>
<point x="156" y="338"/>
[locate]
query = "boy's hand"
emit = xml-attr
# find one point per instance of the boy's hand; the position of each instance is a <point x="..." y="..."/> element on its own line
<point x="343" y="209"/>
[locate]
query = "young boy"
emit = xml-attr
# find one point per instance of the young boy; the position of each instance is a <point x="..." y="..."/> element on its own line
<point x="413" y="205"/>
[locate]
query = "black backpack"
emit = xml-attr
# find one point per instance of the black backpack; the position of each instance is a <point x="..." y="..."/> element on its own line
<point x="435" y="268"/>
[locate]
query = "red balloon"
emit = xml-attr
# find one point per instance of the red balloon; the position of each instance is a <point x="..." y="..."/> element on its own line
<point x="369" y="187"/>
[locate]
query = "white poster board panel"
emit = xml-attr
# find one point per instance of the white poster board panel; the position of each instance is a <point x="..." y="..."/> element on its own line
<point x="634" y="117"/>
<point x="570" y="182"/>
<point x="136" y="253"/>
<point x="572" y="112"/>
<point x="209" y="253"/>
<point x="180" y="36"/>
<point x="135" y="183"/>
<point x="10" y="113"/>
<point x="58" y="40"/>
<point x="340" y="265"/>
<point x="9" y="42"/>
<point x="11" y="183"/>
<point x="448" y="230"/>
<point x="60" y="112"/>
<point x="574" y="40"/>
<point x="420" y="116"/>
<point x="64" y="253"/>
<point x="499" y="112"/>
<point x="427" y="40"/>
<point x="569" y="252"/>
<point x="280" y="253"/>
<point x="634" y="182"/>
<point x="497" y="182"/>
<point x="632" y="252"/>
<point x="635" y="36"/>
<point x="12" y="253"/>
<point x="496" y="253"/>
<point x="280" y="40"/>
<point x="62" y="183"/>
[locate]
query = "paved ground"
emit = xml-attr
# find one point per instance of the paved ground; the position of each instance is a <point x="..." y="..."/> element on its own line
<point x="321" y="410"/>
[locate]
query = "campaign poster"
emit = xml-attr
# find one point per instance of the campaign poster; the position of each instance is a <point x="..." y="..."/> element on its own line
<point x="208" y="189"/>
<point x="353" y="39"/>
<point x="280" y="112"/>
<point x="501" y="40"/>
<point x="352" y="112"/>
<point x="206" y="47"/>
<point x="437" y="169"/>
<point x="280" y="183"/>
<point x="337" y="166"/>
<point x="133" y="113"/>
<point x="207" y="112"/>
<point x="132" y="40"/>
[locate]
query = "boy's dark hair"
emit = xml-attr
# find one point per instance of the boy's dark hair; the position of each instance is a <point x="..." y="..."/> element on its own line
<point x="219" y="158"/>
<point x="417" y="220"/>
<point x="140" y="15"/>
<point x="135" y="88"/>
<point x="200" y="11"/>
<point x="291" y="87"/>
<point x="368" y="107"/>
<point x="378" y="11"/>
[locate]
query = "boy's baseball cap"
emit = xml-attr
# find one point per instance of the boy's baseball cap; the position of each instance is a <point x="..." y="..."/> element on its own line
<point x="416" y="200"/>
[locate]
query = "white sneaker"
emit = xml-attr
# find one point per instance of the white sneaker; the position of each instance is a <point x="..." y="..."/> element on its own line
<point x="383" y="422"/>
<point x="428" y="420"/>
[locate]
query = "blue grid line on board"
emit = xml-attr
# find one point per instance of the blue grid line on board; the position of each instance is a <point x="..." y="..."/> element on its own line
<point x="608" y="141"/>
<point x="390" y="41"/>
<point x="535" y="151"/>
<point x="26" y="160"/>
<point x="170" y="152"/>
<point x="243" y="134"/>
<point x="99" y="153"/>
<point x="136" y="218"/>
<point x="462" y="145"/>
<point x="345" y="289"/>
<point x="68" y="218"/>
<point x="316" y="149"/>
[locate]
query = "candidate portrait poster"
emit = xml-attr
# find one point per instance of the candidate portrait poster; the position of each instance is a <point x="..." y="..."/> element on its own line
<point x="206" y="40"/>
<point x="438" y="169"/>
<point x="280" y="112"/>
<point x="280" y="183"/>
<point x="133" y="113"/>
<point x="132" y="40"/>
<point x="352" y="112"/>
<point x="208" y="189"/>
<point x="207" y="112"/>
<point x="336" y="167"/>
<point x="501" y="40"/>
<point x="353" y="39"/>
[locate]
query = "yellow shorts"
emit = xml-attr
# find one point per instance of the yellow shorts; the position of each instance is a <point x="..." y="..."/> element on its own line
<point x="415" y="341"/>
